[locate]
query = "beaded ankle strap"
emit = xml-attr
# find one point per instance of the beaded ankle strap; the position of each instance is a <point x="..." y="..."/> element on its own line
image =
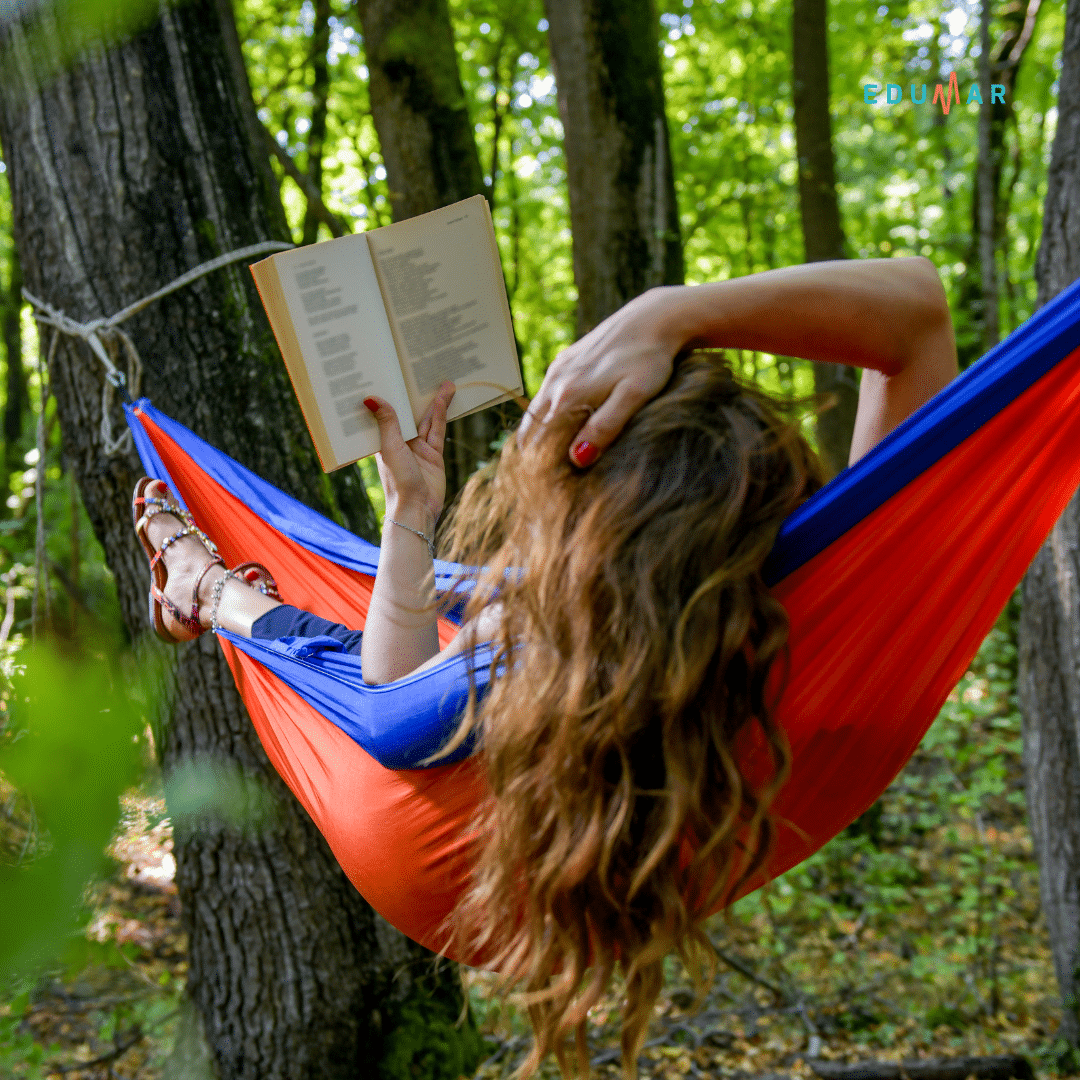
<point x="215" y="598"/>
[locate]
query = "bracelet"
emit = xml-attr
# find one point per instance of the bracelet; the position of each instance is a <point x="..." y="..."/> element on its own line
<point x="423" y="536"/>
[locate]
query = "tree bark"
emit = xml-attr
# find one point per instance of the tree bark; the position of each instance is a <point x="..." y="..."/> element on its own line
<point x="988" y="210"/>
<point x="429" y="152"/>
<point x="1049" y="634"/>
<point x="823" y="233"/>
<point x="989" y="169"/>
<point x="320" y="90"/>
<point x="135" y="165"/>
<point x="15" y="377"/>
<point x="623" y="213"/>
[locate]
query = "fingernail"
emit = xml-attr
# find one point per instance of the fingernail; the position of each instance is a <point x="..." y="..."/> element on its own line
<point x="584" y="453"/>
<point x="371" y="403"/>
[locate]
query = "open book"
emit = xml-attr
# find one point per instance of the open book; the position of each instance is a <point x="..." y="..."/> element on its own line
<point x="392" y="312"/>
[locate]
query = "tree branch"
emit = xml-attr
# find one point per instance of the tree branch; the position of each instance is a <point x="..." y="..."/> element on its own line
<point x="335" y="224"/>
<point x="998" y="1067"/>
<point x="1016" y="52"/>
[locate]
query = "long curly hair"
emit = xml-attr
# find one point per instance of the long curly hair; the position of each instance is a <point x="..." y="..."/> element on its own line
<point x="635" y="641"/>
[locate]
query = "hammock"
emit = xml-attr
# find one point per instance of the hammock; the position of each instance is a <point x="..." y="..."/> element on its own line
<point x="892" y="575"/>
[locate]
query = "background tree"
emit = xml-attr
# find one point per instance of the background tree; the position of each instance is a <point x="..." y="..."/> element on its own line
<point x="15" y="377"/>
<point x="993" y="185"/>
<point x="429" y="150"/>
<point x="320" y="90"/>
<point x="823" y="232"/>
<point x="1049" y="638"/>
<point x="625" y="220"/>
<point x="291" y="974"/>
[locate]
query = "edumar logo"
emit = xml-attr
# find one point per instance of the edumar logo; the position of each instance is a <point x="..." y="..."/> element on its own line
<point x="894" y="94"/>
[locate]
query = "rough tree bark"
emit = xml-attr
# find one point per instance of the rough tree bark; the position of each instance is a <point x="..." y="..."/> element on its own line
<point x="320" y="91"/>
<point x="989" y="171"/>
<point x="623" y="213"/>
<point x="429" y="151"/>
<point x="1049" y="635"/>
<point x="823" y="232"/>
<point x="989" y="207"/>
<point x="141" y="161"/>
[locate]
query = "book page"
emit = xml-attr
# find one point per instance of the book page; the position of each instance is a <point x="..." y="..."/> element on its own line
<point x="346" y="341"/>
<point x="443" y="288"/>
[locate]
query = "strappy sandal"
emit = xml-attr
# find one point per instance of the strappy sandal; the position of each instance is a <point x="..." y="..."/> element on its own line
<point x="143" y="508"/>
<point x="250" y="573"/>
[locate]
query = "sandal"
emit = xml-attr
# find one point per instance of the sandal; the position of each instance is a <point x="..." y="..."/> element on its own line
<point x="143" y="508"/>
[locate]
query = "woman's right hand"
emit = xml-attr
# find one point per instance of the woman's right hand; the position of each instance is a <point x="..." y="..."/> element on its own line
<point x="612" y="371"/>
<point x="412" y="473"/>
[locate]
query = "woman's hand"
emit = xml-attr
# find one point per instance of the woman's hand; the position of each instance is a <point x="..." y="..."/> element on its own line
<point x="612" y="371"/>
<point x="413" y="473"/>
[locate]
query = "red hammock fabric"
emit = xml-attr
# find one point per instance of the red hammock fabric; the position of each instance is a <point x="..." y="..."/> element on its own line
<point x="884" y="622"/>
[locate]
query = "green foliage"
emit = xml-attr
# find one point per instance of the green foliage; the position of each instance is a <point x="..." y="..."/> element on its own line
<point x="211" y="789"/>
<point x="277" y="46"/>
<point x="428" y="1037"/>
<point x="70" y="746"/>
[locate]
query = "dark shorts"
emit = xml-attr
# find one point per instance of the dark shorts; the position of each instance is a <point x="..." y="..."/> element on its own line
<point x="286" y="621"/>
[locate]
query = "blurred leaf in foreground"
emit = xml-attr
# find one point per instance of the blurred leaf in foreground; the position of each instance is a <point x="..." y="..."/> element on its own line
<point x="71" y="745"/>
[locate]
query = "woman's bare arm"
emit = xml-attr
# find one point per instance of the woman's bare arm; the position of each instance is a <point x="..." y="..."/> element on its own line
<point x="887" y="315"/>
<point x="400" y="630"/>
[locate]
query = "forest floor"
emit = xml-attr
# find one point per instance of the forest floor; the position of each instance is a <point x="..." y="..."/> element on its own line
<point x="916" y="933"/>
<point x="111" y="1012"/>
<point x="109" y="1008"/>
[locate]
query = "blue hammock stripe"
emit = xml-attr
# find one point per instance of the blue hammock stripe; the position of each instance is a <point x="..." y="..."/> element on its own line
<point x="399" y="723"/>
<point x="926" y="436"/>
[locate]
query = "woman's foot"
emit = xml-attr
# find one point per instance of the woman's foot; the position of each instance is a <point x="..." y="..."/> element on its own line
<point x="185" y="565"/>
<point x="190" y="584"/>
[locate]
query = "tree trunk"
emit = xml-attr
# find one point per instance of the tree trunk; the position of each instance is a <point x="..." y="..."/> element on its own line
<point x="420" y="113"/>
<point x="1049" y="635"/>
<point x="989" y="170"/>
<point x="623" y="213"/>
<point x="320" y="90"/>
<point x="823" y="233"/>
<point x="135" y="165"/>
<point x="15" y="379"/>
<point x="1018" y="25"/>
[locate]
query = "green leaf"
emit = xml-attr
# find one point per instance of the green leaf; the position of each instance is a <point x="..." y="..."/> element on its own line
<point x="76" y="748"/>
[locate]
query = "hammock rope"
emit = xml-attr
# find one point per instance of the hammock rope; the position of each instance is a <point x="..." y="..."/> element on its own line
<point x="106" y="340"/>
<point x="105" y="337"/>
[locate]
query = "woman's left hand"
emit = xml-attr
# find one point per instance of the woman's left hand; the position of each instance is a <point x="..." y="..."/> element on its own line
<point x="413" y="473"/>
<point x="612" y="371"/>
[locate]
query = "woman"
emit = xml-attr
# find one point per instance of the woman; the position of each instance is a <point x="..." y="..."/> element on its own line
<point x="623" y="590"/>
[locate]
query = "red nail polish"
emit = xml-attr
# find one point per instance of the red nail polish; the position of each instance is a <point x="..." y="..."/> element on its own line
<point x="371" y="404"/>
<point x="585" y="454"/>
